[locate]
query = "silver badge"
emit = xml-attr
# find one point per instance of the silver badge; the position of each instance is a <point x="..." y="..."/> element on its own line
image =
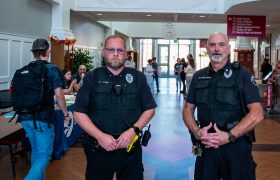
<point x="129" y="78"/>
<point x="253" y="80"/>
<point x="227" y="73"/>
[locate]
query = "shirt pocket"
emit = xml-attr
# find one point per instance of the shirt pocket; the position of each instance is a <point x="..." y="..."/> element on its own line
<point x="225" y="93"/>
<point x="130" y="98"/>
<point x="102" y="96"/>
<point x="202" y="92"/>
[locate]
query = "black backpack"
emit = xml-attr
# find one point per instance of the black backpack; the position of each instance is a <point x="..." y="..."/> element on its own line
<point x="30" y="91"/>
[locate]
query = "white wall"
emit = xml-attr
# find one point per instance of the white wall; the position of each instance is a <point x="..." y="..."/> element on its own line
<point x="14" y="53"/>
<point x="90" y="35"/>
<point x="86" y="31"/>
<point x="156" y="29"/>
<point x="22" y="21"/>
<point x="25" y="17"/>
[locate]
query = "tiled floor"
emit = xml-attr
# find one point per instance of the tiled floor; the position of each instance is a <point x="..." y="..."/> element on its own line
<point x="168" y="155"/>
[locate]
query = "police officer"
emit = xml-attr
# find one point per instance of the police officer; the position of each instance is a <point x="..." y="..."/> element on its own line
<point x="218" y="92"/>
<point x="112" y="106"/>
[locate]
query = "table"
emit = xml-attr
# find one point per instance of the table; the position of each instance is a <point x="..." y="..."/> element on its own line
<point x="66" y="134"/>
<point x="11" y="133"/>
<point x="7" y="128"/>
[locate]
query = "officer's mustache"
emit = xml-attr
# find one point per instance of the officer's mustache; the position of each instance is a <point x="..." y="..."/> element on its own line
<point x="216" y="53"/>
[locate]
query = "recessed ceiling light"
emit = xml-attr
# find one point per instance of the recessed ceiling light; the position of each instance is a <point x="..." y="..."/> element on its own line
<point x="268" y="25"/>
<point x="202" y="16"/>
<point x="148" y="15"/>
<point x="99" y="14"/>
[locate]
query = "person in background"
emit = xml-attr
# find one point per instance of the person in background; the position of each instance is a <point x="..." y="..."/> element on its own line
<point x="189" y="71"/>
<point x="129" y="62"/>
<point x="149" y="75"/>
<point x="69" y="81"/>
<point x="183" y="74"/>
<point x="113" y="104"/>
<point x="177" y="75"/>
<point x="41" y="137"/>
<point x="79" y="76"/>
<point x="228" y="108"/>
<point x="265" y="69"/>
<point x="156" y="71"/>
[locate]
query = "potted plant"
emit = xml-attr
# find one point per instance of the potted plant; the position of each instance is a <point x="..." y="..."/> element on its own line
<point x="82" y="56"/>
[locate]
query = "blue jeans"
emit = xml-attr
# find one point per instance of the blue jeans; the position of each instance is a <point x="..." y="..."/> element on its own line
<point x="178" y="82"/>
<point x="41" y="140"/>
<point x="150" y="82"/>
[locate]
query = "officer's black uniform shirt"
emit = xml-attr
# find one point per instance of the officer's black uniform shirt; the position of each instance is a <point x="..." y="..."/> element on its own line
<point x="246" y="84"/>
<point x="82" y="99"/>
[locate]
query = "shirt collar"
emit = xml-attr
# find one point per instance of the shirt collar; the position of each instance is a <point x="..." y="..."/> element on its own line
<point x="226" y="68"/>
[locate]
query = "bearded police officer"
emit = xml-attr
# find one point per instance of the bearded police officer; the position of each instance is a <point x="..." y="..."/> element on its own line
<point x="219" y="92"/>
<point x="112" y="106"/>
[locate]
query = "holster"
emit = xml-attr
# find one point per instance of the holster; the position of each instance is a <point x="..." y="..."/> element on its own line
<point x="90" y="142"/>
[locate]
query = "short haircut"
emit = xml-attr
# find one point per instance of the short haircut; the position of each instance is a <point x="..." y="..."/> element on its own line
<point x="115" y="36"/>
<point x="38" y="54"/>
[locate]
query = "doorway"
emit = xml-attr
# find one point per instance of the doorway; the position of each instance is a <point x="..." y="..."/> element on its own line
<point x="163" y="60"/>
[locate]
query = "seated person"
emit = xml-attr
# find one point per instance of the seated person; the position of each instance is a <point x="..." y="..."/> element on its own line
<point x="79" y="76"/>
<point x="70" y="83"/>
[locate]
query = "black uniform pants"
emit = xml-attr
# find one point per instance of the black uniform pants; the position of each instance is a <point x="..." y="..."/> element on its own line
<point x="231" y="162"/>
<point x="183" y="79"/>
<point x="102" y="165"/>
<point x="155" y="76"/>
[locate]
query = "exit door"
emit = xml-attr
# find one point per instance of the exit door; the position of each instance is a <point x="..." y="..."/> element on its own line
<point x="163" y="60"/>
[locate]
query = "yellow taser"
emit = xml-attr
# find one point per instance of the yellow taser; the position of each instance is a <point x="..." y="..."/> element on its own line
<point x="132" y="143"/>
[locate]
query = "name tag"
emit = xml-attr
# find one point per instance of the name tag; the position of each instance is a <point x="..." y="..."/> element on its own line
<point x="204" y="78"/>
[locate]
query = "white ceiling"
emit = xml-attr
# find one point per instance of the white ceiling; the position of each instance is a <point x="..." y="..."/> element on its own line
<point x="215" y="11"/>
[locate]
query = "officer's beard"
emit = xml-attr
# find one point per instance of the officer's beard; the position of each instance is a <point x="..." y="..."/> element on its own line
<point x="217" y="57"/>
<point x="114" y="64"/>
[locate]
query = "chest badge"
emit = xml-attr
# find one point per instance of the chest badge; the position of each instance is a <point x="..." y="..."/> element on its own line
<point x="227" y="73"/>
<point x="129" y="78"/>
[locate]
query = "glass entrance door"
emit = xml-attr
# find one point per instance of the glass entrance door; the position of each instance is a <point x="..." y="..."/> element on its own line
<point x="163" y="60"/>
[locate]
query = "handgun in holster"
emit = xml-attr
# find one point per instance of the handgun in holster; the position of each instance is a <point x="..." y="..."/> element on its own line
<point x="90" y="142"/>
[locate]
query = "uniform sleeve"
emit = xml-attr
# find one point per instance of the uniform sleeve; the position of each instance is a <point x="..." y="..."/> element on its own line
<point x="148" y="101"/>
<point x="191" y="91"/>
<point x="83" y="95"/>
<point x="250" y="91"/>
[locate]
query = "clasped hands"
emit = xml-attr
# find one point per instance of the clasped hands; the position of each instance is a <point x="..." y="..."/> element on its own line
<point x="212" y="140"/>
<point x="109" y="143"/>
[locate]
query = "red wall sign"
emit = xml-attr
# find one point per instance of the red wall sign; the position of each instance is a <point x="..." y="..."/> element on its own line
<point x="250" y="26"/>
<point x="203" y="43"/>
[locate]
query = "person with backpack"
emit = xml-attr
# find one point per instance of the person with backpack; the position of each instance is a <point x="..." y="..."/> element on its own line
<point x="112" y="106"/>
<point x="33" y="89"/>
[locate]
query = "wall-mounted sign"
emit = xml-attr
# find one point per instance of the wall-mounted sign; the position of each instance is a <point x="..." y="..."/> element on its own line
<point x="203" y="43"/>
<point x="169" y="31"/>
<point x="248" y="26"/>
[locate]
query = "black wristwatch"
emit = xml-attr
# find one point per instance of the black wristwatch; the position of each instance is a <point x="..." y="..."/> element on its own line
<point x="136" y="129"/>
<point x="231" y="137"/>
